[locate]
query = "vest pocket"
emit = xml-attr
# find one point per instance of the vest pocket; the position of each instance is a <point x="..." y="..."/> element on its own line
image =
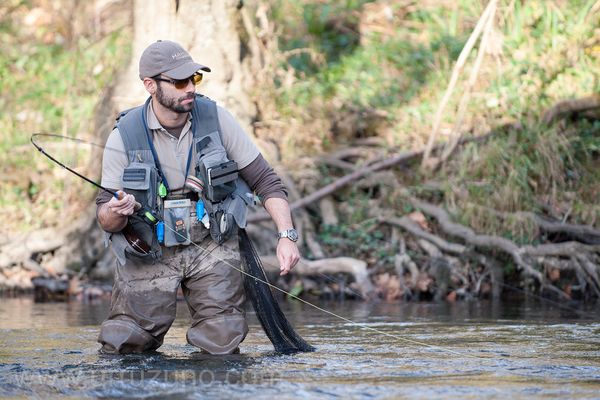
<point x="177" y="222"/>
<point x="212" y="164"/>
<point x="141" y="181"/>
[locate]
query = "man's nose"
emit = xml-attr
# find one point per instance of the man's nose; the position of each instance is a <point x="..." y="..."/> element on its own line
<point x="190" y="87"/>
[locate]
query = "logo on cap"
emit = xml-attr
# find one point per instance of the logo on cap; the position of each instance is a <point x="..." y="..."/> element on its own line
<point x="180" y="55"/>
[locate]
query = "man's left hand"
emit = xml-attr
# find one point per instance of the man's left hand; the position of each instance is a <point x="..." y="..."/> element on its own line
<point x="287" y="254"/>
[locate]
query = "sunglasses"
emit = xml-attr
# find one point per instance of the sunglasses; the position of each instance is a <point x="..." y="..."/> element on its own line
<point x="181" y="83"/>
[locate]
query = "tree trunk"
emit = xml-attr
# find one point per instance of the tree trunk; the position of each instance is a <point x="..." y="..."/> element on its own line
<point x="210" y="31"/>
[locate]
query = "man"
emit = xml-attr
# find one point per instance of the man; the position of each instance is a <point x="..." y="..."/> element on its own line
<point x="150" y="155"/>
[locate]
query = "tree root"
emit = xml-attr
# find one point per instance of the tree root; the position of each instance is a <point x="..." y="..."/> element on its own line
<point x="576" y="257"/>
<point x="474" y="260"/>
<point x="483" y="241"/>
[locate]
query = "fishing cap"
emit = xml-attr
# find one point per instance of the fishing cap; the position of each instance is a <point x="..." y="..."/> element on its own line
<point x="169" y="58"/>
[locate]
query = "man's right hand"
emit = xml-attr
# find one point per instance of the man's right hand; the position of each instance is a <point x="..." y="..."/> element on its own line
<point x="113" y="214"/>
<point x="124" y="205"/>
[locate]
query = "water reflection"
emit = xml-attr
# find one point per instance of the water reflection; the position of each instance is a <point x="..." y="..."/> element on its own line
<point x="24" y="313"/>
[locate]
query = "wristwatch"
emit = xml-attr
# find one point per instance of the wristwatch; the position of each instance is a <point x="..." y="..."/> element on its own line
<point x="291" y="234"/>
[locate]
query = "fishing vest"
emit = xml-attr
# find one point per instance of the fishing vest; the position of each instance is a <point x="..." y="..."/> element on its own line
<point x="225" y="195"/>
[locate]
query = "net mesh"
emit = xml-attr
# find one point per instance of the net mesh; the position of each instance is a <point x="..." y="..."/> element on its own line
<point x="274" y="323"/>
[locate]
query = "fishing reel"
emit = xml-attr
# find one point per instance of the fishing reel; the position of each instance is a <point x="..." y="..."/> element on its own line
<point x="133" y="236"/>
<point x="134" y="240"/>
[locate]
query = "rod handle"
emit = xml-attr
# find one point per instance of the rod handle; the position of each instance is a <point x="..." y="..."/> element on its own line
<point x="119" y="195"/>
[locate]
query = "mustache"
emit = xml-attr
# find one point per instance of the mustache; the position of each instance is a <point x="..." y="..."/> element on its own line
<point x="189" y="96"/>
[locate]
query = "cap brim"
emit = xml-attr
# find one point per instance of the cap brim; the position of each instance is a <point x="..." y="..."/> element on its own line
<point x="186" y="70"/>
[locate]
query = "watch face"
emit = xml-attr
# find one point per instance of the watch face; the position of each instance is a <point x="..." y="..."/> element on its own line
<point x="293" y="235"/>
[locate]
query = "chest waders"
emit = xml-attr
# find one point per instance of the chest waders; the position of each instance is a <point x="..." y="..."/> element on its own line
<point x="225" y="195"/>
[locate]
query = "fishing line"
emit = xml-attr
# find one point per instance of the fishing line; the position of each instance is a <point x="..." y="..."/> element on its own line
<point x="414" y="342"/>
<point x="332" y="279"/>
<point x="119" y="151"/>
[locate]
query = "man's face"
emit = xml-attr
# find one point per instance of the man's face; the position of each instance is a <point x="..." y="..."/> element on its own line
<point x="177" y="100"/>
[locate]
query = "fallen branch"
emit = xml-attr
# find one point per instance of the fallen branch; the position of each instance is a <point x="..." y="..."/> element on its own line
<point x="337" y="163"/>
<point x="340" y="183"/>
<point x="592" y="272"/>
<point x="403" y="260"/>
<point x="567" y="107"/>
<point x="564" y="249"/>
<point x="582" y="233"/>
<point x="456" y="133"/>
<point x="495" y="270"/>
<point x="584" y="274"/>
<point x="586" y="234"/>
<point x="411" y="227"/>
<point x="330" y="266"/>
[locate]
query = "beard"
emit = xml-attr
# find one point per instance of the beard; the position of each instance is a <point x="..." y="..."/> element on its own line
<point x="172" y="103"/>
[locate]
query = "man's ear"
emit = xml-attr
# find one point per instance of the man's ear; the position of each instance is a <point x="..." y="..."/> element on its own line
<point x="150" y="85"/>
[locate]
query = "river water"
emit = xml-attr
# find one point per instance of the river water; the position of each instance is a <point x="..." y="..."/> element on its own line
<point x="414" y="350"/>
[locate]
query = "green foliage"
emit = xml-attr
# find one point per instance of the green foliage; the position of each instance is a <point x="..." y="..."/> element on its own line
<point x="52" y="88"/>
<point x="358" y="234"/>
<point x="361" y="79"/>
<point x="532" y="166"/>
<point x="328" y="27"/>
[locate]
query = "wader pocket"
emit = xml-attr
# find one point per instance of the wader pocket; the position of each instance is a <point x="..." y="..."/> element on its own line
<point x="177" y="222"/>
<point x="221" y="180"/>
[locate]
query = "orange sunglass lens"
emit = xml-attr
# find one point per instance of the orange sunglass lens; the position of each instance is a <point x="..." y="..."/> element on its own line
<point x="182" y="83"/>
